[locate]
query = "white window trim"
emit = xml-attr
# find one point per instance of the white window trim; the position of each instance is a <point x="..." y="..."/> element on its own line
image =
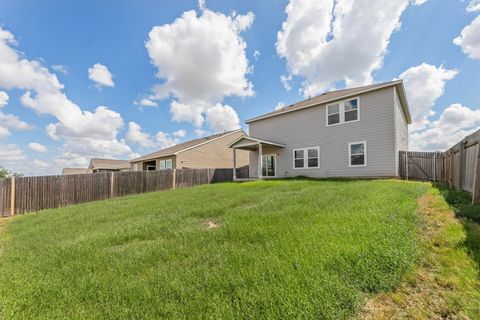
<point x="171" y="164"/>
<point x="160" y="165"/>
<point x="342" y="111"/>
<point x="350" y="154"/>
<point x="305" y="158"/>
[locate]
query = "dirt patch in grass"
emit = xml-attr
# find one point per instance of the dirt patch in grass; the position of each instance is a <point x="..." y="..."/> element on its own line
<point x="446" y="284"/>
<point x="210" y="224"/>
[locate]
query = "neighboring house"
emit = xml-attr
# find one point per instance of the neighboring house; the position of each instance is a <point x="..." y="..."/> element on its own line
<point x="208" y="152"/>
<point x="108" y="165"/>
<point x="70" y="171"/>
<point x="355" y="132"/>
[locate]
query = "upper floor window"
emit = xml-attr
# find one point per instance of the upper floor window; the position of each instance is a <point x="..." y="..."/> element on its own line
<point x="306" y="158"/>
<point x="165" y="164"/>
<point x="343" y="111"/>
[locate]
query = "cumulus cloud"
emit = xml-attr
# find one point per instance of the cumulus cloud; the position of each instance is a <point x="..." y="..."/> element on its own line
<point x="455" y="122"/>
<point x="222" y="118"/>
<point x="181" y="133"/>
<point x="201" y="132"/>
<point x="256" y="54"/>
<point x="424" y="84"/>
<point x="9" y="121"/>
<point x="201" y="59"/>
<point x="145" y="102"/>
<point x="473" y="6"/>
<point x="329" y="42"/>
<point x="11" y="153"/>
<point x="136" y="135"/>
<point x="84" y="133"/>
<point x="280" y="105"/>
<point x="60" y="68"/>
<point x="40" y="164"/>
<point x="100" y="74"/>
<point x="37" y="147"/>
<point x="469" y="38"/>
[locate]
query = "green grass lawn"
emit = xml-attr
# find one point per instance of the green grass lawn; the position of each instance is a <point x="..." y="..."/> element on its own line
<point x="263" y="249"/>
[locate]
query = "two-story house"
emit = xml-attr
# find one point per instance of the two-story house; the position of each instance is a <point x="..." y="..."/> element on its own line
<point x="355" y="132"/>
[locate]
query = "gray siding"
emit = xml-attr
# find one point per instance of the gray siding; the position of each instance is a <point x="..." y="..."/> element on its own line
<point x="401" y="129"/>
<point x="307" y="128"/>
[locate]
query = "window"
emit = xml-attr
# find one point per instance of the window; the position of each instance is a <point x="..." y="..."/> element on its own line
<point x="357" y="152"/>
<point x="306" y="158"/>
<point x="343" y="112"/>
<point x="351" y="110"/>
<point x="166" y="164"/>
<point x="333" y="114"/>
<point x="135" y="167"/>
<point x="299" y="156"/>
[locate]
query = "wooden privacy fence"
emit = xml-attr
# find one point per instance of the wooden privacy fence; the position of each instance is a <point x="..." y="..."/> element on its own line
<point x="459" y="166"/>
<point x="27" y="194"/>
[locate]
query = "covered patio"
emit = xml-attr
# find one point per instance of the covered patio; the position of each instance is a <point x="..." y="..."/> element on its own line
<point x="266" y="153"/>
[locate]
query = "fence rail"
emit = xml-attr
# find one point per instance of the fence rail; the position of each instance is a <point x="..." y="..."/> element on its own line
<point x="28" y="194"/>
<point x="459" y="166"/>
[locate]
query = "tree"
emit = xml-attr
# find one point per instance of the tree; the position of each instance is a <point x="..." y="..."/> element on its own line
<point x="5" y="173"/>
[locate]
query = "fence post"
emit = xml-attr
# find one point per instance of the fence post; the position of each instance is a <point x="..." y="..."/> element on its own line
<point x="174" y="184"/>
<point x="476" y="181"/>
<point x="12" y="197"/>
<point x="406" y="165"/>
<point x="112" y="181"/>
<point x="461" y="164"/>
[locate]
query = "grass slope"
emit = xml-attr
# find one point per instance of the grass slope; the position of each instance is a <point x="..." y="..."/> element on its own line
<point x="446" y="284"/>
<point x="263" y="249"/>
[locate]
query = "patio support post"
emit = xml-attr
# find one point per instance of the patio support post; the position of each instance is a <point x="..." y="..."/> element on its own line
<point x="260" y="152"/>
<point x="234" y="164"/>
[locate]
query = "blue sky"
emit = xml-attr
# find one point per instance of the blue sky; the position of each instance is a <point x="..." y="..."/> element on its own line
<point x="210" y="69"/>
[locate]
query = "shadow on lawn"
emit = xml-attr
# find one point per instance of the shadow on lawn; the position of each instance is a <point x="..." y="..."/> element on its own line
<point x="469" y="214"/>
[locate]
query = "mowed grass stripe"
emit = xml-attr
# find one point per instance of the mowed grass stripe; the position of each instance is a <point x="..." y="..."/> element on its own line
<point x="278" y="249"/>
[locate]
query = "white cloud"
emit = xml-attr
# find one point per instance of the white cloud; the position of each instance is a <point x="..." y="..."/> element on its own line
<point x="165" y="140"/>
<point x="424" y="84"/>
<point x="11" y="153"/>
<point x="222" y="118"/>
<point x="136" y="135"/>
<point x="455" y="122"/>
<point x="181" y="133"/>
<point x="285" y="80"/>
<point x="473" y="6"/>
<point x="201" y="133"/>
<point x="280" y="105"/>
<point x="256" y="54"/>
<point x="201" y="5"/>
<point x="9" y="121"/>
<point x="60" y="68"/>
<point x="419" y="2"/>
<point x="326" y="42"/>
<point x="100" y="74"/>
<point x="40" y="164"/>
<point x="37" y="147"/>
<point x="145" y="102"/>
<point x="469" y="39"/>
<point x="201" y="59"/>
<point x="84" y="133"/>
<point x="3" y="99"/>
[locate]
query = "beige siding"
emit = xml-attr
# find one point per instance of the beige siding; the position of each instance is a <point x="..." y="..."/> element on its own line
<point x="401" y="129"/>
<point x="157" y="163"/>
<point x="307" y="128"/>
<point x="215" y="154"/>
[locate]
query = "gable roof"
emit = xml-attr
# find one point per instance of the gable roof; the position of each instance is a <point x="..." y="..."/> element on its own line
<point x="342" y="94"/>
<point x="68" y="171"/>
<point x="174" y="150"/>
<point x="113" y="164"/>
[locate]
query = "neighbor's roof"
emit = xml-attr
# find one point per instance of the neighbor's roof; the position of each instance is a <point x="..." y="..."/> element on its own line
<point x="341" y="94"/>
<point x="183" y="146"/>
<point x="68" y="171"/>
<point x="109" y="164"/>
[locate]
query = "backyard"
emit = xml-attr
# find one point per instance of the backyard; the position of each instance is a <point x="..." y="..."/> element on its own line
<point x="297" y="248"/>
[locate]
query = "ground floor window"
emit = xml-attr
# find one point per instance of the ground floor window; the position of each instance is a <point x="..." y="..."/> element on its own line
<point x="165" y="164"/>
<point x="357" y="153"/>
<point x="306" y="158"/>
